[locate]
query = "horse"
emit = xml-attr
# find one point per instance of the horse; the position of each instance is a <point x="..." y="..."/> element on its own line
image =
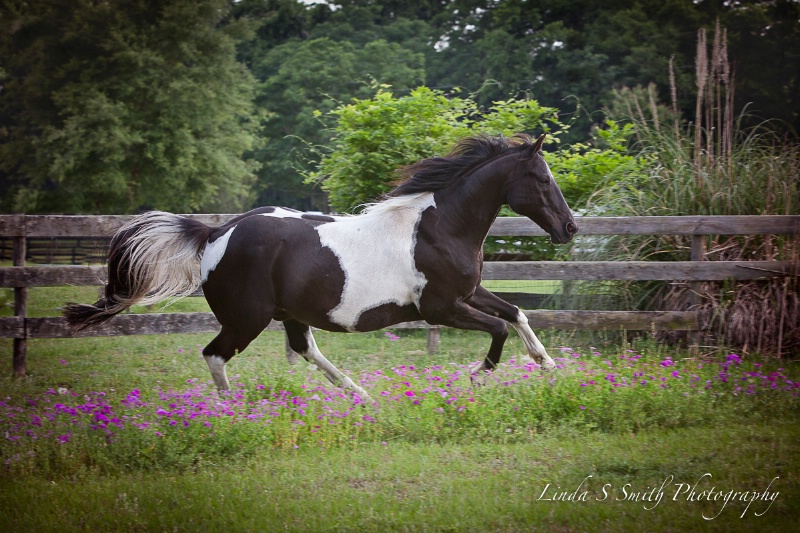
<point x="415" y="255"/>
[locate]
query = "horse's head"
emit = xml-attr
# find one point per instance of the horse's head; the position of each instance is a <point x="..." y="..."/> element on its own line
<point x="531" y="191"/>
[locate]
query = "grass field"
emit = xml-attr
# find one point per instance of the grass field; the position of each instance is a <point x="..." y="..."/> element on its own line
<point x="127" y="434"/>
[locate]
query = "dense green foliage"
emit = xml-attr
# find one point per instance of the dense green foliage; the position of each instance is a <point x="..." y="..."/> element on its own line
<point x="113" y="106"/>
<point x="374" y="137"/>
<point x="119" y="106"/>
<point x="301" y="79"/>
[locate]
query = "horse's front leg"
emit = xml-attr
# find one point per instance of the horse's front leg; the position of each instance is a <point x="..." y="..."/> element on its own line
<point x="463" y="316"/>
<point x="492" y="304"/>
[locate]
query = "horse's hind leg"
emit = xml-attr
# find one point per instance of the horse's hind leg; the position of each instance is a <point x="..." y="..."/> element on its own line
<point x="302" y="341"/>
<point x="219" y="351"/>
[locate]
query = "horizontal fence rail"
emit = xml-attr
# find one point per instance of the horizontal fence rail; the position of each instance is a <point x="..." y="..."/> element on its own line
<point x="19" y="228"/>
<point x="106" y="225"/>
<point x="161" y="323"/>
<point x="57" y="276"/>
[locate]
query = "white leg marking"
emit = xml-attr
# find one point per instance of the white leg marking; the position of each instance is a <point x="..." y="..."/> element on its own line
<point x="534" y="346"/>
<point x="216" y="365"/>
<point x="315" y="357"/>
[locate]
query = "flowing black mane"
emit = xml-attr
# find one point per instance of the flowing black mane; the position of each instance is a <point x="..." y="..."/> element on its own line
<point x="436" y="173"/>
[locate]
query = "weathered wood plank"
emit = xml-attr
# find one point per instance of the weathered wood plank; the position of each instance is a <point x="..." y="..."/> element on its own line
<point x="94" y="225"/>
<point x="678" y="225"/>
<point x="128" y="324"/>
<point x="74" y="225"/>
<point x="636" y="270"/>
<point x="20" y="349"/>
<point x="55" y="276"/>
<point x="614" y="320"/>
<point x="105" y="225"/>
<point x="52" y="276"/>
<point x="12" y="327"/>
<point x="166" y="323"/>
<point x="133" y="324"/>
<point x="12" y="226"/>
<point x="529" y="300"/>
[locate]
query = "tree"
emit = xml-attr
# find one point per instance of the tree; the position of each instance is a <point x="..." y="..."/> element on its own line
<point x="304" y="77"/>
<point x="580" y="50"/>
<point x="110" y="107"/>
<point x="373" y="137"/>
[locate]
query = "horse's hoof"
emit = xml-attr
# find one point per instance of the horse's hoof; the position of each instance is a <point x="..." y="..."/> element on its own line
<point x="363" y="399"/>
<point x="478" y="379"/>
<point x="524" y="360"/>
<point x="548" y="365"/>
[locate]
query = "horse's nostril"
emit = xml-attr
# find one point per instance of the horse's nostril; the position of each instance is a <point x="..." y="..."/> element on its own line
<point x="572" y="228"/>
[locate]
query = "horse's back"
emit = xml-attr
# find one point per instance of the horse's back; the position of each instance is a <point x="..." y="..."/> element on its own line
<point x="338" y="273"/>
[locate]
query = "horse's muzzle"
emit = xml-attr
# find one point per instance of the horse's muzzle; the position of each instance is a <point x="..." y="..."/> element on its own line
<point x="564" y="235"/>
<point x="572" y="228"/>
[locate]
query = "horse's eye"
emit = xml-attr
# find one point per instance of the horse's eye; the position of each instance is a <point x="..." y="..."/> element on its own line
<point x="541" y="177"/>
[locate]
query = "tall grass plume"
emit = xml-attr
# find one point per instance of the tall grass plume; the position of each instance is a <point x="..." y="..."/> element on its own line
<point x="711" y="165"/>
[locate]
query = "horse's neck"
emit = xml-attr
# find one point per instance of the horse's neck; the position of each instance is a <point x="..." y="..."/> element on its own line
<point x="472" y="208"/>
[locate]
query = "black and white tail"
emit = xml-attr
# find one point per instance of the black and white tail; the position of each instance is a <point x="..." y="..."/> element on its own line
<point x="155" y="256"/>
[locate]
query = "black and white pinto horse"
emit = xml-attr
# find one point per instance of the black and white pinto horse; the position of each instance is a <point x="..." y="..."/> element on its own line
<point x="415" y="255"/>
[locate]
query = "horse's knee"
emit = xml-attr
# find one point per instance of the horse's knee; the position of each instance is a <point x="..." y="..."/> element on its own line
<point x="499" y="332"/>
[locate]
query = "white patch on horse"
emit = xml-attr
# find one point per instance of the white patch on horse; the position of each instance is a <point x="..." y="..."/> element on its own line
<point x="281" y="212"/>
<point x="213" y="253"/>
<point x="376" y="253"/>
<point x="216" y="365"/>
<point x="534" y="346"/>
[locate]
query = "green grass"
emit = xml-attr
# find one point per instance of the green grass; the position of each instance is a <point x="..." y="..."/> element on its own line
<point x="488" y="462"/>
<point x="530" y="286"/>
<point x="423" y="487"/>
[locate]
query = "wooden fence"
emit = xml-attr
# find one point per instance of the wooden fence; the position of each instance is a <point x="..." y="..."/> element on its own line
<point x="20" y="277"/>
<point x="58" y="251"/>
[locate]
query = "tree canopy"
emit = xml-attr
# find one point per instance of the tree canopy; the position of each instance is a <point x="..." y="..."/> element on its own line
<point x="221" y="105"/>
<point x="375" y="136"/>
<point x="107" y="107"/>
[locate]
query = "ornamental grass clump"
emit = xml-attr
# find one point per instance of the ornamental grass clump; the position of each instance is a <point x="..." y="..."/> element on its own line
<point x="709" y="166"/>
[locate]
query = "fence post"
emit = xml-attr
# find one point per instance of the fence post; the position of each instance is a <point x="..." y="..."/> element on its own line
<point x="20" y="309"/>
<point x="434" y="337"/>
<point x="698" y="254"/>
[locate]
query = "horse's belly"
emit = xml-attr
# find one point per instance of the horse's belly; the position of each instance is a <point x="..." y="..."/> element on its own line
<point x="386" y="315"/>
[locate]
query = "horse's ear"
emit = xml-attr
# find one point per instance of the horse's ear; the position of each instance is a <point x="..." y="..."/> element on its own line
<point x="537" y="147"/>
<point x="531" y="149"/>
